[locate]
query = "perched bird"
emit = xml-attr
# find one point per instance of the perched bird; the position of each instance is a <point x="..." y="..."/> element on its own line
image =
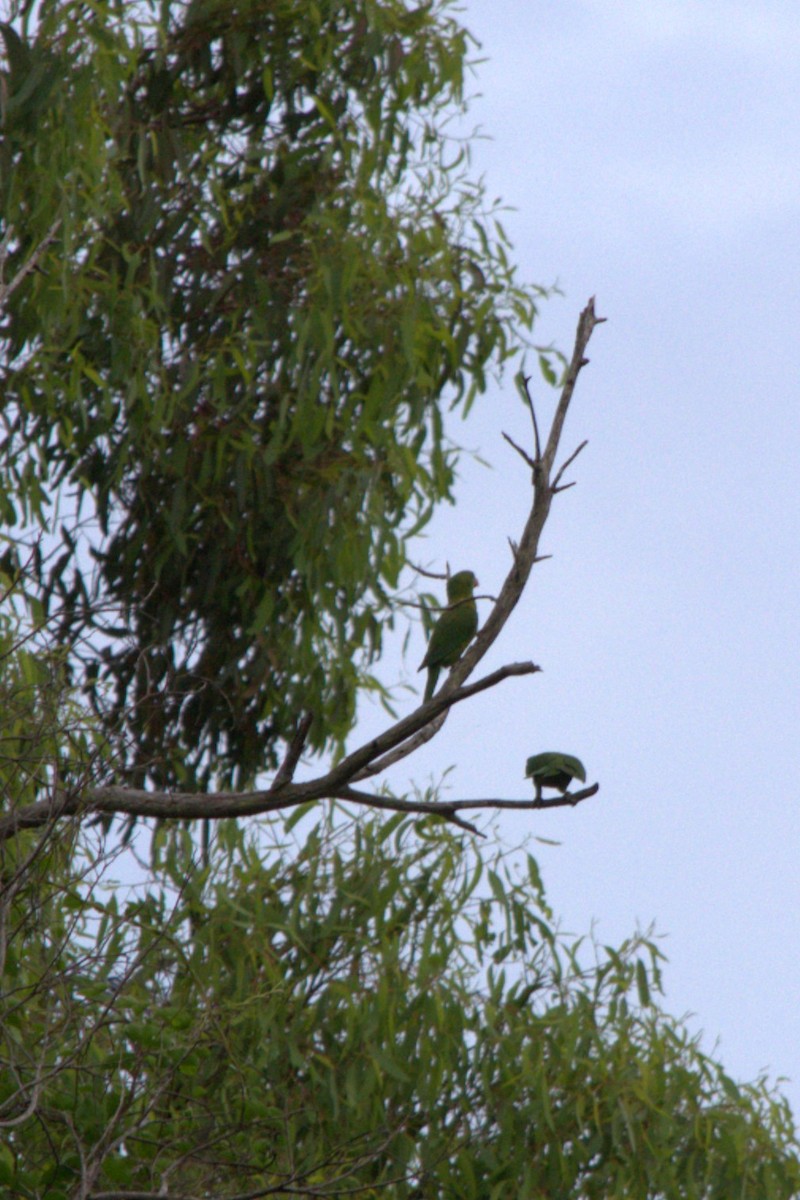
<point x="555" y="770"/>
<point x="454" y="630"/>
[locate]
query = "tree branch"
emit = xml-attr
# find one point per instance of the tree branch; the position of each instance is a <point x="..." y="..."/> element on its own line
<point x="216" y="806"/>
<point x="522" y="453"/>
<point x="6" y="289"/>
<point x="448" y="809"/>
<point x="432" y="727"/>
<point x="564" y="466"/>
<point x="396" y="742"/>
<point x="289" y="765"/>
<point x="435" y="808"/>
<point x="526" y="552"/>
<point x="586" y="326"/>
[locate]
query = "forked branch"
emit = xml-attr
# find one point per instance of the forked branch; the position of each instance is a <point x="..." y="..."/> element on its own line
<point x="398" y="740"/>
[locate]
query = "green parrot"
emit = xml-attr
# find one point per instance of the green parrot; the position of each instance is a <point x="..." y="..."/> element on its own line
<point x="454" y="630"/>
<point x="555" y="770"/>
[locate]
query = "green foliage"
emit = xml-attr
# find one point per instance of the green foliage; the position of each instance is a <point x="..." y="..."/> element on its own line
<point x="224" y="386"/>
<point x="375" y="1010"/>
<point x="46" y="739"/>
<point x="234" y="359"/>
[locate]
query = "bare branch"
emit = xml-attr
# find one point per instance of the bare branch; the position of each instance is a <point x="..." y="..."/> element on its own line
<point x="127" y="1194"/>
<point x="288" y="766"/>
<point x="527" y="550"/>
<point x="523" y="453"/>
<point x="567" y="800"/>
<point x="7" y="288"/>
<point x="441" y="808"/>
<point x="394" y="743"/>
<point x="427" y="574"/>
<point x="440" y="608"/>
<point x="586" y="325"/>
<point x="431" y="728"/>
<point x="448" y="809"/>
<point x="571" y="459"/>
<point x="408" y="747"/>
<point x="537" y="446"/>
<point x="215" y="806"/>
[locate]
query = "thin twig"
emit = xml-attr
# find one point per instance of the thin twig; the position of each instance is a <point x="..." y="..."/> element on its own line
<point x="537" y="446"/>
<point x="427" y="574"/>
<point x="435" y="808"/>
<point x="524" y="453"/>
<point x="440" y="608"/>
<point x="288" y="766"/>
<point x="586" y="326"/>
<point x="571" y="459"/>
<point x="31" y="263"/>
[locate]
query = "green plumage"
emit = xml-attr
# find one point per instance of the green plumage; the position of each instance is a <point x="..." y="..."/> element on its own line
<point x="553" y="769"/>
<point x="454" y="630"/>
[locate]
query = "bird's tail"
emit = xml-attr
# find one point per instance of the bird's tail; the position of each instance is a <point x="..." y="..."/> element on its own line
<point x="433" y="675"/>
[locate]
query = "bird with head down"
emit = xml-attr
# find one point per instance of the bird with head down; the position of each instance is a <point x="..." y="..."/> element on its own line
<point x="554" y="769"/>
<point x="454" y="629"/>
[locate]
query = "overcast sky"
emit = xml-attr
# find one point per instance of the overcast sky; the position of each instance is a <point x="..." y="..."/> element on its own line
<point x="652" y="154"/>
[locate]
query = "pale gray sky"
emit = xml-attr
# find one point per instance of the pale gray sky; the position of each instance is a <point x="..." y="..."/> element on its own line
<point x="652" y="153"/>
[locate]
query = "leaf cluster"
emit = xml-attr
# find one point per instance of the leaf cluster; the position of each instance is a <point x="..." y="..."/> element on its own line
<point x="232" y="362"/>
<point x="371" y="1012"/>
